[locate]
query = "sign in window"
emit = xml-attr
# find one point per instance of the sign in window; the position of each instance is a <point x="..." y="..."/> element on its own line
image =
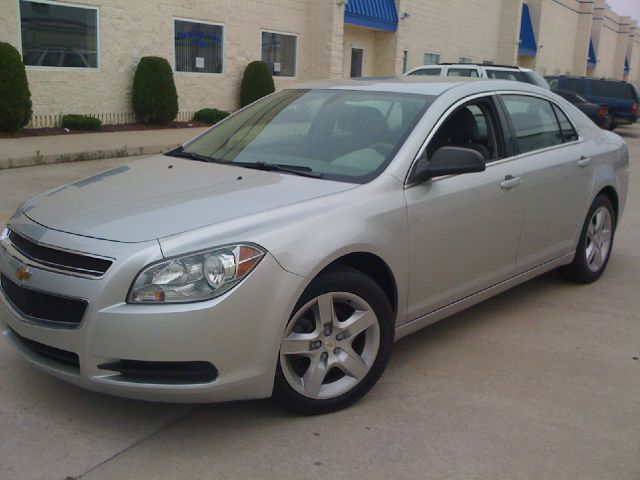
<point x="58" y="35"/>
<point x="279" y="53"/>
<point x="198" y="47"/>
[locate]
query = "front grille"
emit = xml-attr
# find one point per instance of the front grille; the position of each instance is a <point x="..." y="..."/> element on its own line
<point x="50" y="353"/>
<point x="163" y="372"/>
<point x="59" y="259"/>
<point x="44" y="306"/>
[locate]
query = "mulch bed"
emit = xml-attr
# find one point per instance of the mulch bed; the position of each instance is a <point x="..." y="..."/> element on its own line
<point x="125" y="127"/>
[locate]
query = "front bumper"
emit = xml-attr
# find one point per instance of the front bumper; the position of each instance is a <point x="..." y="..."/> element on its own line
<point x="239" y="333"/>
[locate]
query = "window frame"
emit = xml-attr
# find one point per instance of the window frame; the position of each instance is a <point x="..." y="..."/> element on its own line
<point x="512" y="152"/>
<point x="413" y="71"/>
<point x="431" y="53"/>
<point x="297" y="55"/>
<point x="512" y="132"/>
<point x="96" y="8"/>
<point x="502" y="130"/>
<point x="174" y="64"/>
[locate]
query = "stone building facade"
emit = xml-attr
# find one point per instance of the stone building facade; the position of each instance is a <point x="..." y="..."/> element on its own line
<point x="81" y="55"/>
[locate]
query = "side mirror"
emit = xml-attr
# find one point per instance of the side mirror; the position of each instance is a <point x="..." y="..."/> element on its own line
<point x="448" y="161"/>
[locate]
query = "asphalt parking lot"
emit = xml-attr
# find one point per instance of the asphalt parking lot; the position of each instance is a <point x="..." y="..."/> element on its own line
<point x="541" y="382"/>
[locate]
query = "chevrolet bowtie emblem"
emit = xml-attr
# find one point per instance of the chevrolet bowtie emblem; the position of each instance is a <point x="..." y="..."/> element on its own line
<point x="23" y="274"/>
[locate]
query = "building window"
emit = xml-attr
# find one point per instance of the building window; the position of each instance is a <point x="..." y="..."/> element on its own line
<point x="431" y="58"/>
<point x="279" y="53"/>
<point x="58" y="35"/>
<point x="465" y="60"/>
<point x="198" y="47"/>
<point x="405" y="59"/>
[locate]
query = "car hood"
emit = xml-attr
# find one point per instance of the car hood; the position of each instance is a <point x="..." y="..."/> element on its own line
<point x="162" y="196"/>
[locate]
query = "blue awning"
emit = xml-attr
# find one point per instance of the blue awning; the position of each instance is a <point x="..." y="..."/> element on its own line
<point x="376" y="14"/>
<point x="591" y="61"/>
<point x="528" y="47"/>
<point x="626" y="65"/>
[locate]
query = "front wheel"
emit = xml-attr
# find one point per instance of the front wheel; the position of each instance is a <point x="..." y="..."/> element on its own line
<point x="596" y="242"/>
<point x="336" y="344"/>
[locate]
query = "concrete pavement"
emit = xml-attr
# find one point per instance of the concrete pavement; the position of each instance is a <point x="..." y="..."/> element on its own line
<point x="541" y="382"/>
<point x="26" y="151"/>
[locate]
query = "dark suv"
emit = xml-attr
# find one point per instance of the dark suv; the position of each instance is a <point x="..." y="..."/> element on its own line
<point x="621" y="97"/>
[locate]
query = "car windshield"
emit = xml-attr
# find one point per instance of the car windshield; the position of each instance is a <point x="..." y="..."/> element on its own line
<point x="337" y="134"/>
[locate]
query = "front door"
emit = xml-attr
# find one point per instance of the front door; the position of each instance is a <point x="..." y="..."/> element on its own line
<point x="357" y="60"/>
<point x="463" y="229"/>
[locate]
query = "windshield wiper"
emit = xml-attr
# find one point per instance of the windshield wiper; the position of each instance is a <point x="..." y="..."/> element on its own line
<point x="274" y="167"/>
<point x="179" y="152"/>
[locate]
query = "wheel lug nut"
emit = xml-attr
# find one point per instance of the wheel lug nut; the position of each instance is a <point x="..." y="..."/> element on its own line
<point x="336" y="351"/>
<point x="324" y="356"/>
<point x="339" y="337"/>
<point x="327" y="331"/>
<point x="316" y="344"/>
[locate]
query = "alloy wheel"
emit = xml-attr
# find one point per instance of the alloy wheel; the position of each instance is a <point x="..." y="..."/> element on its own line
<point x="330" y="345"/>
<point x="598" y="241"/>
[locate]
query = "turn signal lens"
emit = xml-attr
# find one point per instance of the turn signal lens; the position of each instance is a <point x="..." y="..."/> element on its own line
<point x="195" y="277"/>
<point x="634" y="108"/>
<point x="602" y="111"/>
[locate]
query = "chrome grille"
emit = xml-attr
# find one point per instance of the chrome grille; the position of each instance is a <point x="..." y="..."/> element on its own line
<point x="58" y="259"/>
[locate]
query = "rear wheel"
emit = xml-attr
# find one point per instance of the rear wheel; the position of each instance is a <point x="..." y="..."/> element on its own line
<point x="336" y="345"/>
<point x="596" y="242"/>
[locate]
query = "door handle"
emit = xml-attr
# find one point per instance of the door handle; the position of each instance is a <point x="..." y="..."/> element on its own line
<point x="584" y="162"/>
<point x="510" y="182"/>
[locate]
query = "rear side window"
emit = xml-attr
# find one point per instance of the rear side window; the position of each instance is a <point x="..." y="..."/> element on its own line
<point x="427" y="71"/>
<point x="506" y="75"/>
<point x="605" y="88"/>
<point x="573" y="84"/>
<point x="462" y="72"/>
<point x="569" y="133"/>
<point x="534" y="122"/>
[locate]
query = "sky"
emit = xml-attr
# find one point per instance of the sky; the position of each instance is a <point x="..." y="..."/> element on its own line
<point x="626" y="7"/>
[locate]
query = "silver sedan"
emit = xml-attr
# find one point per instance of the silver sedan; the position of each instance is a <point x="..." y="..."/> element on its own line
<point x="284" y="250"/>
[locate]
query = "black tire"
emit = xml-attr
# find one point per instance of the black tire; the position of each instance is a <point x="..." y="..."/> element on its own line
<point x="578" y="270"/>
<point x="341" y="279"/>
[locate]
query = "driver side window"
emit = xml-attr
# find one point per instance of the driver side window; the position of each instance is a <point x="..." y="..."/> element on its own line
<point x="473" y="125"/>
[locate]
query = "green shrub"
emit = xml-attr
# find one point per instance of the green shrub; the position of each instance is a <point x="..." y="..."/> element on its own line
<point x="257" y="82"/>
<point x="155" y="99"/>
<point x="81" y="122"/>
<point x="210" y="115"/>
<point x="15" y="98"/>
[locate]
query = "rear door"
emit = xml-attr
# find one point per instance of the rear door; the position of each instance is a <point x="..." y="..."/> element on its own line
<point x="557" y="175"/>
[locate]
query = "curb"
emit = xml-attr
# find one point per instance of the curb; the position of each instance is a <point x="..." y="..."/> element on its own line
<point x="39" y="159"/>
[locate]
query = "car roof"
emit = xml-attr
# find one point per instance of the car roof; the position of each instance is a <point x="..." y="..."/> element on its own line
<point x="422" y="85"/>
<point x="597" y="79"/>
<point x="491" y="66"/>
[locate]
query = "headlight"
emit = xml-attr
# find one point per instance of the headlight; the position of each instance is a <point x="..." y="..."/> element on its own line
<point x="196" y="276"/>
<point x="4" y="234"/>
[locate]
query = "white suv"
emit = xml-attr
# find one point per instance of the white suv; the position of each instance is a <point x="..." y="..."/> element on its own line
<point x="499" y="72"/>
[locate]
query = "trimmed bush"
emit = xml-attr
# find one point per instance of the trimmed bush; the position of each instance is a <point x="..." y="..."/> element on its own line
<point x="81" y="122"/>
<point x="210" y="115"/>
<point x="15" y="97"/>
<point x="257" y="82"/>
<point x="155" y="99"/>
